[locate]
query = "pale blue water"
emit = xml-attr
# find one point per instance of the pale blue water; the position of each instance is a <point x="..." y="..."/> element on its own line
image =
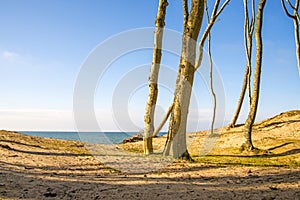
<point x="91" y="137"/>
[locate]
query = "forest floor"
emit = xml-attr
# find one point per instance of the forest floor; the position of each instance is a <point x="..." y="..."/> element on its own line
<point x="40" y="168"/>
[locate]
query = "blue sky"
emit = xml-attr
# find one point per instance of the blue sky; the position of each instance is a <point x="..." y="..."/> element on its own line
<point x="44" y="43"/>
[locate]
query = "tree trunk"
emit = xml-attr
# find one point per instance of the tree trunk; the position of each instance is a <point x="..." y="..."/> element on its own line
<point x="248" y="35"/>
<point x="211" y="76"/>
<point x="178" y="120"/>
<point x="296" y="19"/>
<point x="296" y="27"/>
<point x="153" y="91"/>
<point x="241" y="99"/>
<point x="163" y="121"/>
<point x="248" y="145"/>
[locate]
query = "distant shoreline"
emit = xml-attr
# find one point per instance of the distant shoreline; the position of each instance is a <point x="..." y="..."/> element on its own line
<point x="89" y="137"/>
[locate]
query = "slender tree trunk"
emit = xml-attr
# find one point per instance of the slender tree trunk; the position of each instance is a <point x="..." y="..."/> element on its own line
<point x="248" y="145"/>
<point x="248" y="35"/>
<point x="184" y="82"/>
<point x="296" y="26"/>
<point x="211" y="76"/>
<point x="163" y="121"/>
<point x="215" y="13"/>
<point x="296" y="19"/>
<point x="153" y="91"/>
<point x="241" y="99"/>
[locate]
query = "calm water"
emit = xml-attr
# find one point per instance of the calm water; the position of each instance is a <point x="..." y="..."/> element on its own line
<point x="92" y="137"/>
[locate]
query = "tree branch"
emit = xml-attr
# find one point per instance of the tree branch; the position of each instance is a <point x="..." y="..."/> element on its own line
<point x="253" y="19"/>
<point x="296" y="11"/>
<point x="286" y="11"/>
<point x="163" y="121"/>
<point x="215" y="14"/>
<point x="290" y="4"/>
<point x="185" y="12"/>
<point x="211" y="77"/>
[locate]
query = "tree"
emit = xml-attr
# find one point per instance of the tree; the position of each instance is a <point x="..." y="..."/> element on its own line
<point x="211" y="76"/>
<point x="187" y="67"/>
<point x="184" y="82"/>
<point x="153" y="90"/>
<point x="247" y="144"/>
<point x="296" y="20"/>
<point x="248" y="36"/>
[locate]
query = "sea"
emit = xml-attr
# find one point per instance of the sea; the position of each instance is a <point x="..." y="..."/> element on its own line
<point x="90" y="137"/>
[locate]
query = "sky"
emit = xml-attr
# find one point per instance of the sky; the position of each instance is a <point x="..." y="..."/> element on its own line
<point x="44" y="45"/>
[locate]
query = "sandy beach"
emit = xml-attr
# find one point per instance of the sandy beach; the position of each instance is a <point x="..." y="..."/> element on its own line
<point x="40" y="168"/>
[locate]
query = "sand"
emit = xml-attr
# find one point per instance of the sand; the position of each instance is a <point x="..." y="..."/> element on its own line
<point x="37" y="168"/>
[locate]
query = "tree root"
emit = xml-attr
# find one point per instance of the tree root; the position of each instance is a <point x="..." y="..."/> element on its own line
<point x="186" y="156"/>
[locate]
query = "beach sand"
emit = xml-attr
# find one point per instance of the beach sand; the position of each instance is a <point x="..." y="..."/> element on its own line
<point x="39" y="168"/>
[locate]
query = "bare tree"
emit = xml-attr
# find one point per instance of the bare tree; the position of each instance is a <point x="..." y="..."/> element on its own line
<point x="153" y="78"/>
<point x="247" y="144"/>
<point x="295" y="17"/>
<point x="211" y="76"/>
<point x="248" y="36"/>
<point x="187" y="67"/>
<point x="177" y="127"/>
<point x="215" y="14"/>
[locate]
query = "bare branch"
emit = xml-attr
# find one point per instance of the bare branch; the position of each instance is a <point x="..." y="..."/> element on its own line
<point x="290" y="4"/>
<point x="246" y="23"/>
<point x="253" y="19"/>
<point x="222" y="8"/>
<point x="216" y="6"/>
<point x="185" y="12"/>
<point x="286" y="11"/>
<point x="206" y="11"/>
<point x="248" y="35"/>
<point x="296" y="11"/>
<point x="215" y="14"/>
<point x="211" y="77"/>
<point x="297" y="5"/>
<point x="248" y="38"/>
<point x="246" y="15"/>
<point x="296" y="21"/>
<point x="163" y="121"/>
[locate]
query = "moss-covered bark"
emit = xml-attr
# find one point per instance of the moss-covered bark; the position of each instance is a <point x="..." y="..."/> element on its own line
<point x="178" y="120"/>
<point x="153" y="78"/>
